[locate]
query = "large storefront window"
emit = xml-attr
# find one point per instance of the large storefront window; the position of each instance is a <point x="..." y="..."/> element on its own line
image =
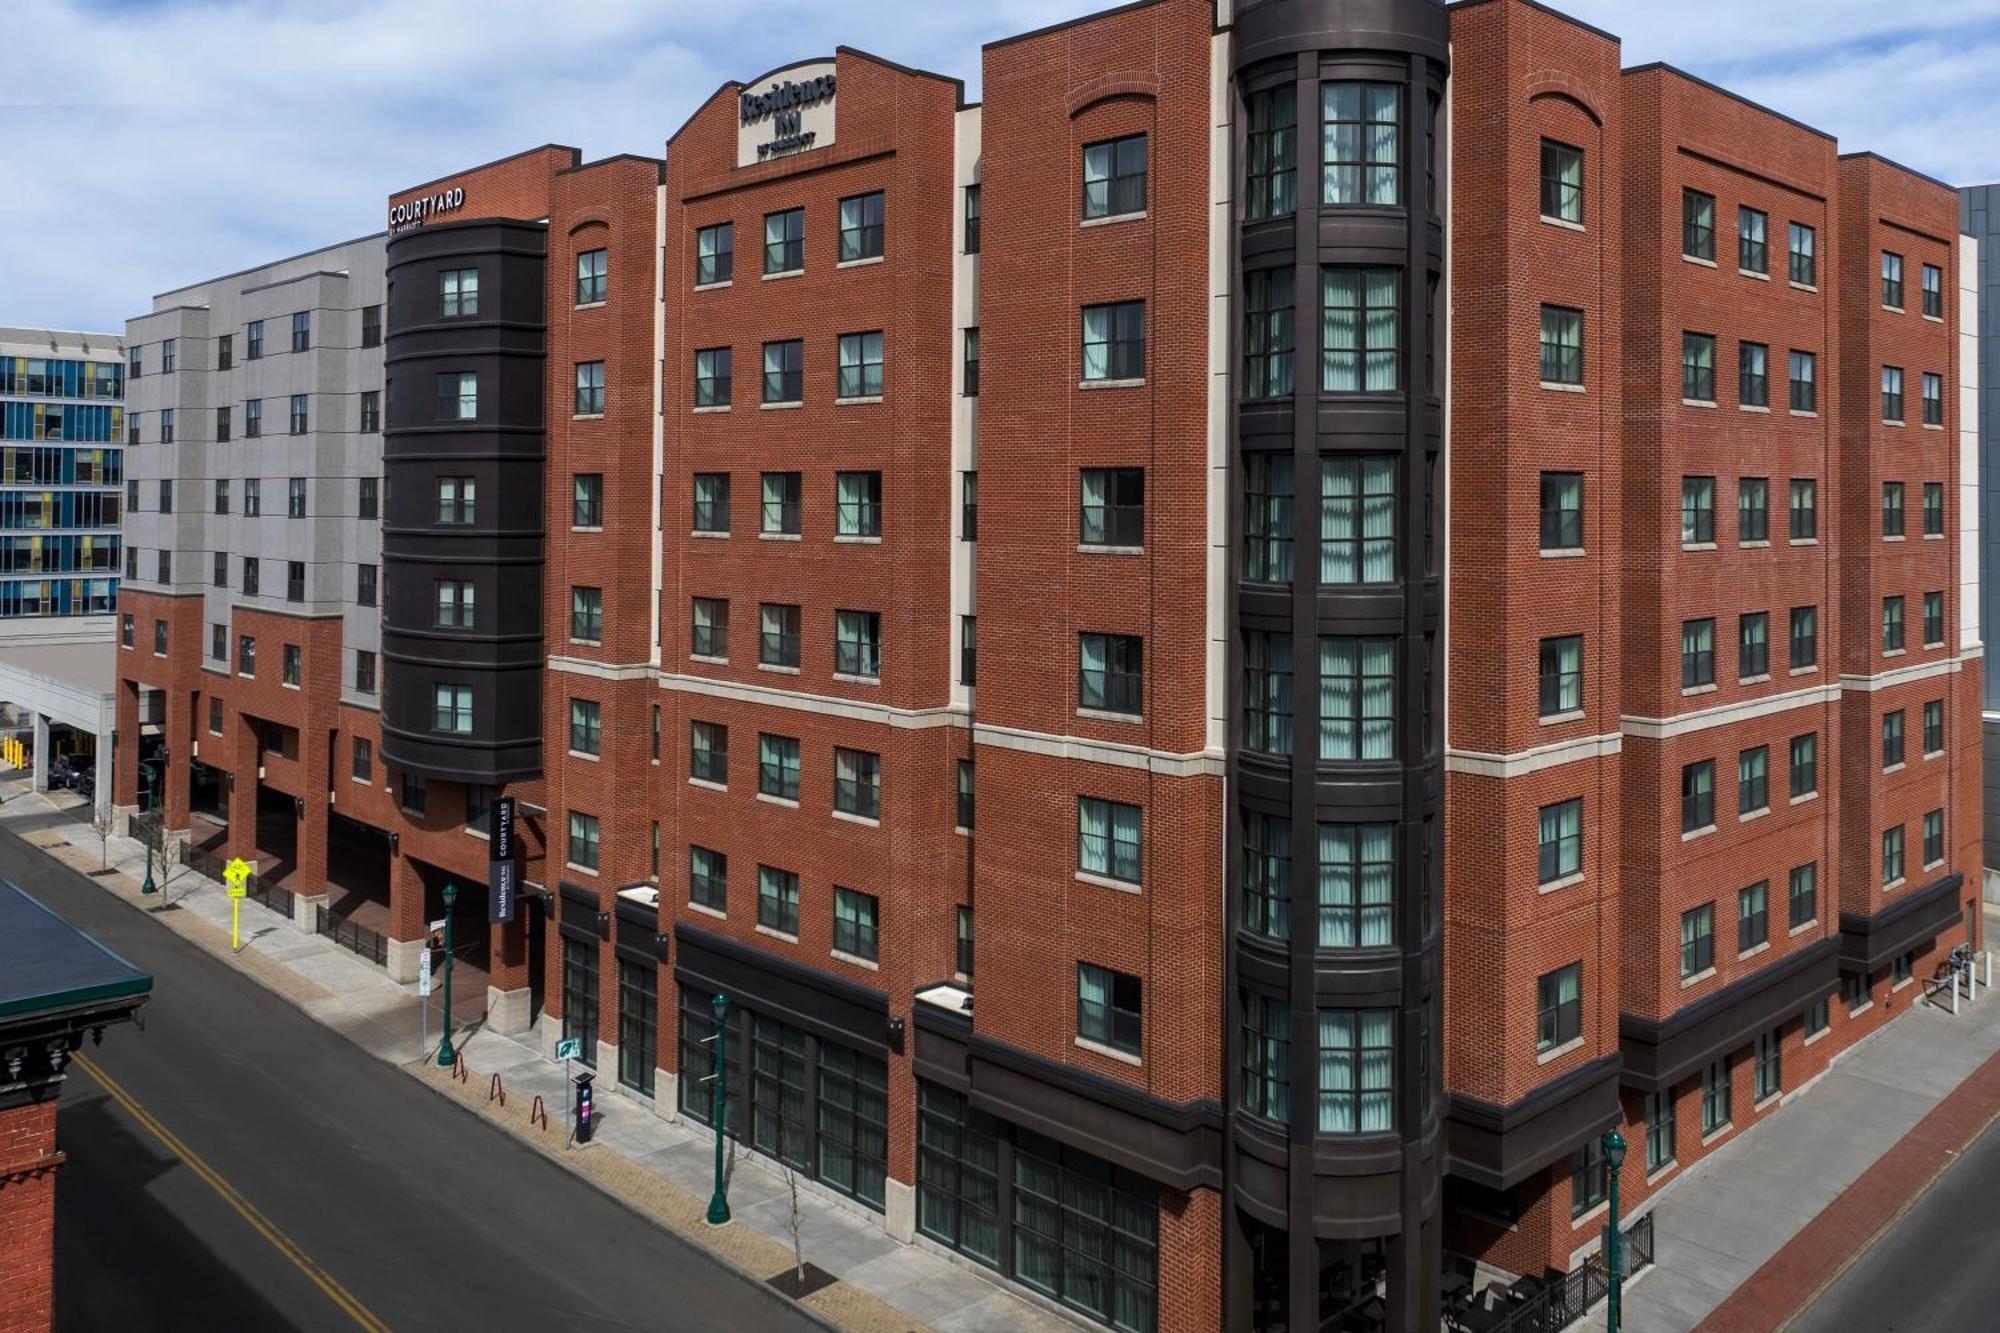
<point x="638" y="1029"/>
<point x="853" y="1123"/>
<point x="580" y="996"/>
<point x="697" y="1065"/>
<point x="1079" y="1229"/>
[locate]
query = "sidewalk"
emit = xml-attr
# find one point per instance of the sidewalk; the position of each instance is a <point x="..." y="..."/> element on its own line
<point x="662" y="1169"/>
<point x="1718" y="1228"/>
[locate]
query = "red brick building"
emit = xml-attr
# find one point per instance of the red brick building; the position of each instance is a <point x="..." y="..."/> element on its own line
<point x="1347" y="794"/>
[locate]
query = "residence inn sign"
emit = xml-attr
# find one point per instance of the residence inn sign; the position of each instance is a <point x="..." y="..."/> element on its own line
<point x="787" y="111"/>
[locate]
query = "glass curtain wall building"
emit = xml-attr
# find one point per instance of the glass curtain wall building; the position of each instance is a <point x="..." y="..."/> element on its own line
<point x="62" y="471"/>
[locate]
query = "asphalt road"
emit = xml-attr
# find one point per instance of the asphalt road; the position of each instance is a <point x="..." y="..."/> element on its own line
<point x="258" y="1172"/>
<point x="1934" y="1269"/>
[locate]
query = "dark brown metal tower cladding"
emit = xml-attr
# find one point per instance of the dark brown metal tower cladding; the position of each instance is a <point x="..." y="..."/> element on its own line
<point x="1329" y="1189"/>
<point x="464" y="504"/>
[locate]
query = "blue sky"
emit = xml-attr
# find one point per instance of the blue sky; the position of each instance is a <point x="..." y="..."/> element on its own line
<point x="155" y="143"/>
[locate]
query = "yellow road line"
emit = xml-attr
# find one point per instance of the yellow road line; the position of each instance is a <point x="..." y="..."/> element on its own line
<point x="264" y="1227"/>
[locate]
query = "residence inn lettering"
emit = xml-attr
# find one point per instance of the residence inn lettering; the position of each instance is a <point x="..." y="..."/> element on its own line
<point x="785" y="115"/>
<point x="414" y="213"/>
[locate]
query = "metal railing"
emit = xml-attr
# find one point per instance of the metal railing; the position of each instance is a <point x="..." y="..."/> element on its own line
<point x="350" y="936"/>
<point x="1568" y="1298"/>
<point x="146" y="827"/>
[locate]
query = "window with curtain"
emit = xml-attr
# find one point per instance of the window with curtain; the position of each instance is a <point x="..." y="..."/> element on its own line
<point x="714" y="254"/>
<point x="1360" y="329"/>
<point x="860" y="365"/>
<point x="1114" y="341"/>
<point x="861" y="228"/>
<point x="1559" y="1007"/>
<point x="1562" y="345"/>
<point x="1267" y="692"/>
<point x="1271" y="153"/>
<point x="1357" y="1070"/>
<point x="1267" y="874"/>
<point x="1560" y="841"/>
<point x="1111" y="508"/>
<point x="1561" y="675"/>
<point x="1361" y="144"/>
<point x="1697" y="941"/>
<point x="1562" y="182"/>
<point x="1108" y="835"/>
<point x="1114" y="177"/>
<point x="1357" y="519"/>
<point x="1357" y="699"/>
<point x="1357" y="886"/>
<point x="1698" y="796"/>
<point x="1267" y="518"/>
<point x="1267" y="1057"/>
<point x="1109" y="1008"/>
<point x="1268" y="336"/>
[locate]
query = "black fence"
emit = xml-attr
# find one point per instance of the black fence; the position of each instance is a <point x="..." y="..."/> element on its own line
<point x="255" y="888"/>
<point x="355" y="938"/>
<point x="1528" y="1307"/>
<point x="146" y="828"/>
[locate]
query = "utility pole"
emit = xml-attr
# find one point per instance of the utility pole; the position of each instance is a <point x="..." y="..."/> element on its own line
<point x="446" y="1055"/>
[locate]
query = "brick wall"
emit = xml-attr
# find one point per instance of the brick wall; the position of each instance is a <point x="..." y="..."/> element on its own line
<point x="28" y="1161"/>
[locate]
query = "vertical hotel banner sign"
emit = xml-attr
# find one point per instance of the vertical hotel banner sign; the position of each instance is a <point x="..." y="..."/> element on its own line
<point x="503" y="880"/>
<point x="787" y="111"/>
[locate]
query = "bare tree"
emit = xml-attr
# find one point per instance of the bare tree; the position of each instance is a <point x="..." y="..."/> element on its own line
<point x="104" y="823"/>
<point x="792" y="1184"/>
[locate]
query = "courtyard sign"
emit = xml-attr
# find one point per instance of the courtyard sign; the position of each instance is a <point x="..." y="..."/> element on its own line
<point x="413" y="214"/>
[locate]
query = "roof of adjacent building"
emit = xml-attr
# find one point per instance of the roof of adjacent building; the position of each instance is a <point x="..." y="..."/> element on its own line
<point x="48" y="966"/>
<point x="60" y="343"/>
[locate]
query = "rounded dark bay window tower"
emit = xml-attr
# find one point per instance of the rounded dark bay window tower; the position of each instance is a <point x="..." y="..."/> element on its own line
<point x="463" y="450"/>
<point x="1335" y="1147"/>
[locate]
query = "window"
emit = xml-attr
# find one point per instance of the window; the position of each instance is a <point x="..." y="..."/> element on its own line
<point x="1268" y="333"/>
<point x="363" y="751"/>
<point x="971" y="363"/>
<point x="222" y="425"/>
<point x="1892" y="856"/>
<point x="1109" y="1008"/>
<point x="593" y="273"/>
<point x="1805" y="382"/>
<point x="1934" y="838"/>
<point x="778" y="635"/>
<point x="861" y="228"/>
<point x="857" y="510"/>
<point x="1805" y="765"/>
<point x="364" y="671"/>
<point x="1933" y="291"/>
<point x="586" y="727"/>
<point x="1753" y="916"/>
<point x="1903" y="968"/>
<point x="125" y="630"/>
<point x="1805" y="637"/>
<point x="586" y="500"/>
<point x="857" y="783"/>
<point x="708" y="878"/>
<point x="1934" y="727"/>
<point x="586" y="614"/>
<point x="251" y="568"/>
<point x="1562" y="182"/>
<point x="780" y="515"/>
<point x="1108" y="839"/>
<point x="371" y="327"/>
<point x="785" y="241"/>
<point x="457" y="606"/>
<point x="1698" y="367"/>
<point x="1357" y="1063"/>
<point x="1562" y="345"/>
<point x="166" y="426"/>
<point x="1815" y="1021"/>
<point x="1357" y="519"/>
<point x="1659" y="1129"/>
<point x="1114" y="177"/>
<point x="857" y="644"/>
<point x="1267" y="519"/>
<point x="860" y="366"/>
<point x="458" y="292"/>
<point x="1803" y="255"/>
<point x="1933" y="509"/>
<point x="1753" y="510"/>
<point x="708" y="752"/>
<point x="1110" y="673"/>
<point x="1933" y="619"/>
<point x="1562" y="675"/>
<point x="1698" y="225"/>
<point x="1697" y="941"/>
<point x="1892" y="624"/>
<point x="365" y="579"/>
<point x="1698" y="796"/>
<point x="225" y="351"/>
<point x="1933" y="399"/>
<point x="414" y="798"/>
<point x="968" y="506"/>
<point x="1753" y="780"/>
<point x="715" y="253"/>
<point x="160" y="640"/>
<point x="1588" y="1179"/>
<point x="968" y="651"/>
<point x="458" y="396"/>
<point x="1560" y="841"/>
<point x="1769" y="1075"/>
<point x="1559" y="1007"/>
<point x="456" y="499"/>
<point x="1804" y="509"/>
<point x="784" y="372"/>
<point x="295" y="497"/>
<point x="1562" y="511"/>
<point x="1753" y="645"/>
<point x="965" y="803"/>
<point x="254" y="340"/>
<point x="1356" y="896"/>
<point x="218" y="643"/>
<point x="1892" y="280"/>
<point x="452" y="709"/>
<point x="1715" y="1095"/>
<point x="1856" y="991"/>
<point x="711" y="502"/>
<point x="589" y="388"/>
<point x="220" y="577"/>
<point x="166" y="495"/>
<point x="1357" y="683"/>
<point x="1804" y="894"/>
<point x="854" y="924"/>
<point x="165" y="569"/>
<point x="1752" y="241"/>
<point x="1361" y="330"/>
<point x="1271" y="154"/>
<point x="1697" y="653"/>
<point x="1114" y="342"/>
<point x="778" y="766"/>
<point x="583" y="840"/>
<point x="1754" y="375"/>
<point x="301" y="331"/>
<point x="1892" y="395"/>
<point x="1892" y="739"/>
<point x="1361" y="144"/>
<point x="1267" y="874"/>
<point x="1112" y="508"/>
<point x="1267" y="1045"/>
<point x="298" y="417"/>
<point x="246" y="654"/>
<point x="371" y="411"/>
<point x="972" y="219"/>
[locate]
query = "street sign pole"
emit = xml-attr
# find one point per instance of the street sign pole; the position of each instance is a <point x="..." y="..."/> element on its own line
<point x="446" y="1055"/>
<point x="236" y="876"/>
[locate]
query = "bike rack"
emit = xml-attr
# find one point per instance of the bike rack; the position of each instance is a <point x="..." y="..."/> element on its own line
<point x="496" y="1089"/>
<point x="539" y="1112"/>
<point x="461" y="1071"/>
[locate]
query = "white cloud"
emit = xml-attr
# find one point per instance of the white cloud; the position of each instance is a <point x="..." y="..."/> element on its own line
<point x="176" y="140"/>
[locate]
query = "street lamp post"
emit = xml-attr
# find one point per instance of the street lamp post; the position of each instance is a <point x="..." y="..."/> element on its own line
<point x="147" y="782"/>
<point x="446" y="1055"/>
<point x="718" y="1202"/>
<point x="1614" y="1158"/>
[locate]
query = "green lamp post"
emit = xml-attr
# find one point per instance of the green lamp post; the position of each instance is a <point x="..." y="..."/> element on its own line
<point x="718" y="1203"/>
<point x="1614" y="1242"/>
<point x="446" y="1055"/>
<point x="147" y="798"/>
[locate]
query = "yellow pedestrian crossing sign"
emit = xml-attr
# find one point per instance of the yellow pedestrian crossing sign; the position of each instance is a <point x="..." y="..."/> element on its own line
<point x="237" y="876"/>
